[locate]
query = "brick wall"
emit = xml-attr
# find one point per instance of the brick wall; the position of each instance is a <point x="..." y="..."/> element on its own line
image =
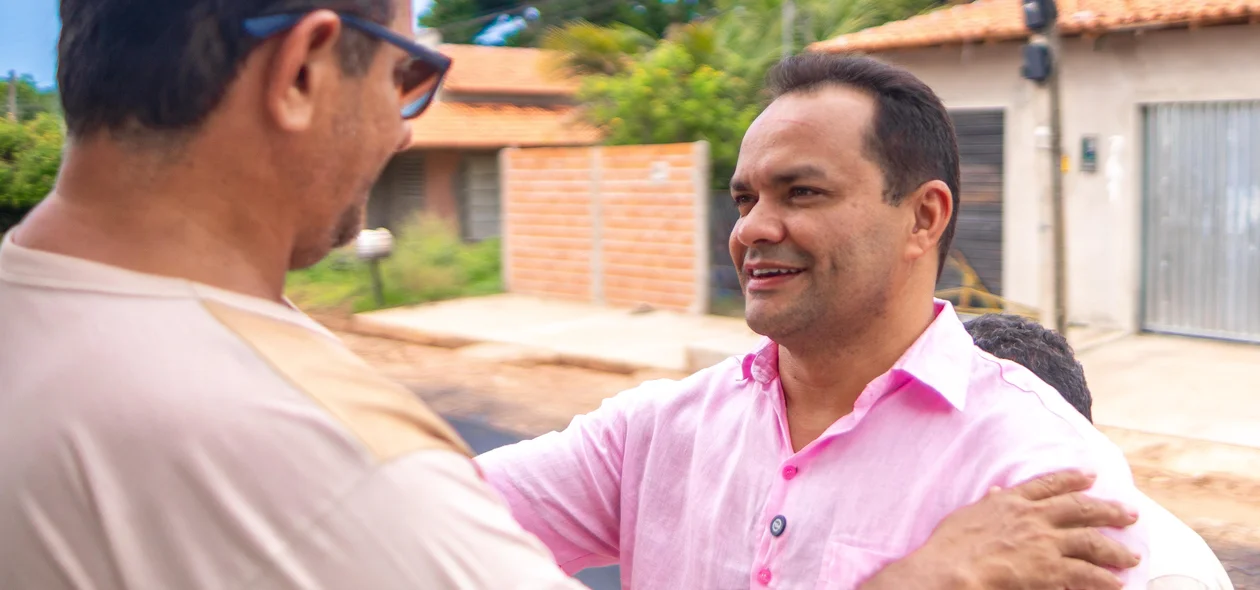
<point x="621" y="225"/>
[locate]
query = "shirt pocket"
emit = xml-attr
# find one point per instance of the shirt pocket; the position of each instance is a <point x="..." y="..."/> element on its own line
<point x="846" y="566"/>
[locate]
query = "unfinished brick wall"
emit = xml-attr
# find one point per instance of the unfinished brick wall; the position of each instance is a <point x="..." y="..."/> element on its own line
<point x="621" y="225"/>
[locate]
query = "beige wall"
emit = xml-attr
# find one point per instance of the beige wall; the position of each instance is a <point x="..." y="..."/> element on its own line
<point x="1105" y="82"/>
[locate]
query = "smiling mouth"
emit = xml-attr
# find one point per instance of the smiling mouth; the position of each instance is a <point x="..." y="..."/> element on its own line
<point x="765" y="273"/>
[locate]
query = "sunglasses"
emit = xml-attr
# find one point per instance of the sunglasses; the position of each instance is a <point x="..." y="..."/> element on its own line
<point x="418" y="80"/>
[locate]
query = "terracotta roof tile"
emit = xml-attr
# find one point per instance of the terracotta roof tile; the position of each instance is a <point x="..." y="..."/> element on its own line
<point x="481" y="69"/>
<point x="450" y="124"/>
<point x="1002" y="20"/>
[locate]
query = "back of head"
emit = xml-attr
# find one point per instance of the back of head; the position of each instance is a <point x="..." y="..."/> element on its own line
<point x="266" y="120"/>
<point x="147" y="68"/>
<point x="912" y="137"/>
<point x="1043" y="351"/>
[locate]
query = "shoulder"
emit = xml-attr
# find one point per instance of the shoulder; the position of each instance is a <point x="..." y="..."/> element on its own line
<point x="1002" y="392"/>
<point x="1023" y="423"/>
<point x="261" y="399"/>
<point x="681" y="399"/>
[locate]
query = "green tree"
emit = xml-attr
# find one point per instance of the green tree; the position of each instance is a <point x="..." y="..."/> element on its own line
<point x="31" y="101"/>
<point x="702" y="81"/>
<point x="460" y="21"/>
<point x="678" y="91"/>
<point x="30" y="155"/>
<point x="587" y="49"/>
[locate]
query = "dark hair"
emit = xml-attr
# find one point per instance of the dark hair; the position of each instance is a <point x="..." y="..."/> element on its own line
<point x="912" y="137"/>
<point x="129" y="66"/>
<point x="1043" y="351"/>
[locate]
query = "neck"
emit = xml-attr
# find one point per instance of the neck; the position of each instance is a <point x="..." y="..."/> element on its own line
<point x="825" y="375"/>
<point x="180" y="217"/>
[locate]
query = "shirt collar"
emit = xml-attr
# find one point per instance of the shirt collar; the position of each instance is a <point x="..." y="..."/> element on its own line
<point x="940" y="358"/>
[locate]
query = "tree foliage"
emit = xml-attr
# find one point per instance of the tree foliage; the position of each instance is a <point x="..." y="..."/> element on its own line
<point x="703" y="80"/>
<point x="678" y="91"/>
<point x="588" y="49"/>
<point x="460" y="21"/>
<point x="30" y="154"/>
<point x="31" y="101"/>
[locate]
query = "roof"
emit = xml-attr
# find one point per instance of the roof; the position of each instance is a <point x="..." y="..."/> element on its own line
<point x="1003" y="20"/>
<point x="479" y="69"/>
<point x="463" y="125"/>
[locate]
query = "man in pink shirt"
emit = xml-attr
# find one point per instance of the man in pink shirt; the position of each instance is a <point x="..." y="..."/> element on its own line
<point x="863" y="420"/>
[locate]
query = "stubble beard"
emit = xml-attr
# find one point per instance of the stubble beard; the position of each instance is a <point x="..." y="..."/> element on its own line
<point x="349" y="225"/>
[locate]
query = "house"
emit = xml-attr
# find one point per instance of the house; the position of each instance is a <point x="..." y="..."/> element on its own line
<point x="1160" y="103"/>
<point x="493" y="97"/>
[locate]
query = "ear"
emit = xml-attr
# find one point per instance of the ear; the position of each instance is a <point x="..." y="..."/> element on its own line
<point x="304" y="67"/>
<point x="932" y="206"/>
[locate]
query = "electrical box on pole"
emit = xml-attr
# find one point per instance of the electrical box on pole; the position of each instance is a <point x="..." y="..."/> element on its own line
<point x="1037" y="63"/>
<point x="1040" y="14"/>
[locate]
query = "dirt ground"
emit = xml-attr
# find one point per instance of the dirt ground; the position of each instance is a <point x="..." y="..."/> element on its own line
<point x="477" y="382"/>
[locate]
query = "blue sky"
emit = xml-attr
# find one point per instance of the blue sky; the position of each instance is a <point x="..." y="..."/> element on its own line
<point x="28" y="37"/>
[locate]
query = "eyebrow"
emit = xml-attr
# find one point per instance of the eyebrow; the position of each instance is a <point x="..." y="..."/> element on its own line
<point x="788" y="176"/>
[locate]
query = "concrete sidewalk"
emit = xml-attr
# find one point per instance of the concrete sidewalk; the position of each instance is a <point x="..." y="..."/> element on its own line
<point x="521" y="328"/>
<point x="1183" y="388"/>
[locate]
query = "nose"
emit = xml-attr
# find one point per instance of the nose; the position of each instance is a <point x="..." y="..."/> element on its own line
<point x="763" y="224"/>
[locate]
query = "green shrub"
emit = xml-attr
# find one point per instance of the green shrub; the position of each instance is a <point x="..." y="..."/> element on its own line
<point x="30" y="154"/>
<point x="429" y="263"/>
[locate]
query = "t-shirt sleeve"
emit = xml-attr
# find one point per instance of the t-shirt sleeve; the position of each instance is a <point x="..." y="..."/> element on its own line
<point x="422" y="521"/>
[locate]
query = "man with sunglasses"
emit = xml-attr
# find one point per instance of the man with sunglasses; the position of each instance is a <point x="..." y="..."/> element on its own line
<point x="167" y="420"/>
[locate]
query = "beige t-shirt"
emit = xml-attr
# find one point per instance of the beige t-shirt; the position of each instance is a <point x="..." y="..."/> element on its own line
<point x="160" y="434"/>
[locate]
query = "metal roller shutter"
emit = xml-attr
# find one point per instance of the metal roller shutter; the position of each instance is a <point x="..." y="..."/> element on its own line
<point x="480" y="204"/>
<point x="1201" y="202"/>
<point x="399" y="193"/>
<point x="978" y="234"/>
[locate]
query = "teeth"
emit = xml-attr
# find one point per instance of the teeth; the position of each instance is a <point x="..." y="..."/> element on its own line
<point x="773" y="272"/>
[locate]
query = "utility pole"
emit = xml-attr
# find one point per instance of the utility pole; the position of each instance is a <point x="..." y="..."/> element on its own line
<point x="1042" y="64"/>
<point x="13" y="95"/>
<point x="1058" y="215"/>
<point x="789" y="27"/>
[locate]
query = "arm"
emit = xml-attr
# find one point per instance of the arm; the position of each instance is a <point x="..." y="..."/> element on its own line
<point x="1114" y="482"/>
<point x="422" y="521"/>
<point x="565" y="487"/>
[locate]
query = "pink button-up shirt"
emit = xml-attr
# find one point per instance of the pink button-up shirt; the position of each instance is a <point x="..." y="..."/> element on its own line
<point x="693" y="484"/>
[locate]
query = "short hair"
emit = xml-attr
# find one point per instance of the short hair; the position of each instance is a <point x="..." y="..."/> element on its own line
<point x="912" y="138"/>
<point x="137" y="66"/>
<point x="1043" y="351"/>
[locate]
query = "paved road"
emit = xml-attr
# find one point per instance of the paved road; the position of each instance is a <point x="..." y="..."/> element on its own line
<point x="482" y="438"/>
<point x="1242" y="563"/>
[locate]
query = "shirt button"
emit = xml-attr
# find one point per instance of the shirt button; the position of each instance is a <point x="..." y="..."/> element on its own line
<point x="778" y="525"/>
<point x="789" y="472"/>
<point x="763" y="576"/>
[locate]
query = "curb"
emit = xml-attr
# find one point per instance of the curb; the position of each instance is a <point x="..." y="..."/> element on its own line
<point x="366" y="326"/>
<point x="1191" y="458"/>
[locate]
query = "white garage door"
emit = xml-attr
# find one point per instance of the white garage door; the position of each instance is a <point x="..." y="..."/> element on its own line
<point x="1202" y="220"/>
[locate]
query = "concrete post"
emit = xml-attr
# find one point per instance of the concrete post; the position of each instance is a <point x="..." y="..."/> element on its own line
<point x="701" y="178"/>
